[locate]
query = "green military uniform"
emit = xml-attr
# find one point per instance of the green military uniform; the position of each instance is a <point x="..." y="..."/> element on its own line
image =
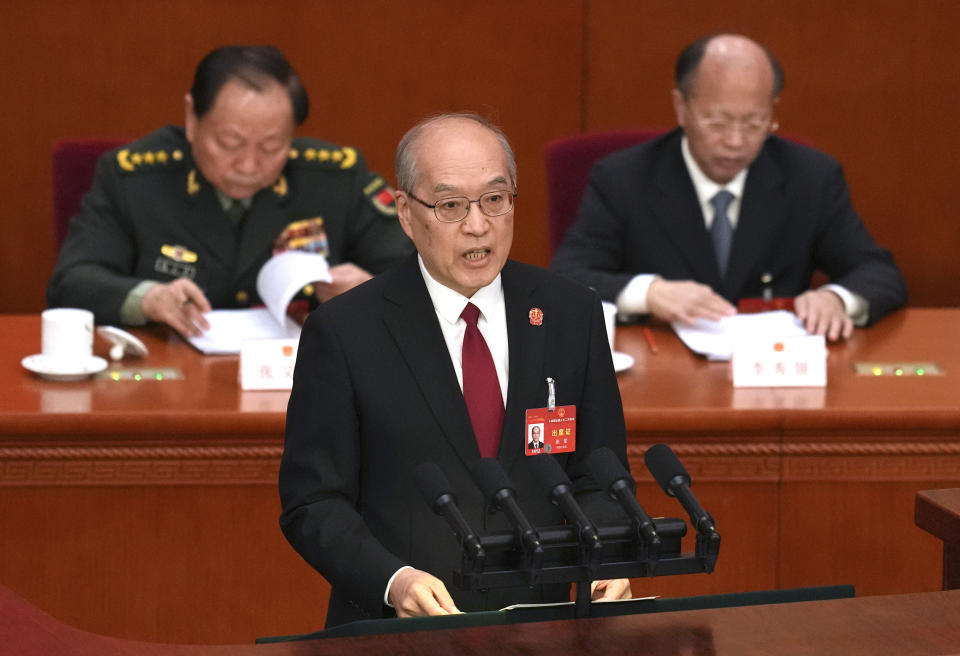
<point x="151" y="215"/>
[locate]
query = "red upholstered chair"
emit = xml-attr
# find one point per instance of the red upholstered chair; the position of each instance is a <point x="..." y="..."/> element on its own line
<point x="568" y="162"/>
<point x="73" y="165"/>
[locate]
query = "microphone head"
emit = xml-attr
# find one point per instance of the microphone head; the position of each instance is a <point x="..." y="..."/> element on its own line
<point x="664" y="466"/>
<point x="548" y="472"/>
<point x="607" y="469"/>
<point x="491" y="479"/>
<point x="433" y="483"/>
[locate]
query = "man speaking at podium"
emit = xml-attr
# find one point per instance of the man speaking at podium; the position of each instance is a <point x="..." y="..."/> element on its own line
<point x="439" y="360"/>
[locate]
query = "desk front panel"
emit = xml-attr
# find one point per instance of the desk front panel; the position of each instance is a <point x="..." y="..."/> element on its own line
<point x="149" y="510"/>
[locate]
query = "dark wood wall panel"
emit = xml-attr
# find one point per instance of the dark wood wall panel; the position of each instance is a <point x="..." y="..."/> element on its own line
<point x="875" y="84"/>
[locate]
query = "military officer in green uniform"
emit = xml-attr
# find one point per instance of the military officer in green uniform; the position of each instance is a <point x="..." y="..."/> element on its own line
<point x="182" y="220"/>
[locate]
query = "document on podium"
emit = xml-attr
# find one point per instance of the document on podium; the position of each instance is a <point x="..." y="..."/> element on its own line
<point x="279" y="280"/>
<point x="570" y="603"/>
<point x="715" y="339"/>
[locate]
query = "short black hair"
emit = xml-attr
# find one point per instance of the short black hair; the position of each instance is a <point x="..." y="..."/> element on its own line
<point x="689" y="60"/>
<point x="251" y="65"/>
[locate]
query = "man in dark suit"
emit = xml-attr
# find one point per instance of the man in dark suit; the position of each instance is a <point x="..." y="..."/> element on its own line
<point x="379" y="388"/>
<point x="183" y="219"/>
<point x="719" y="210"/>
<point x="536" y="438"/>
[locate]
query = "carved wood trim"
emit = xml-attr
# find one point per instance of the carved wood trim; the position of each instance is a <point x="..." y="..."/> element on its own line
<point x="173" y="465"/>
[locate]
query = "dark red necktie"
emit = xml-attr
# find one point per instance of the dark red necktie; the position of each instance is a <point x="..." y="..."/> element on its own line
<point x="481" y="388"/>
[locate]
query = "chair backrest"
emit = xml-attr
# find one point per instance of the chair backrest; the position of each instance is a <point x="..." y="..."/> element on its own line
<point x="568" y="164"/>
<point x="74" y="161"/>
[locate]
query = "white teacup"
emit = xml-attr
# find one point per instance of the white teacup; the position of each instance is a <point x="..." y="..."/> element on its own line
<point x="610" y="317"/>
<point x="66" y="335"/>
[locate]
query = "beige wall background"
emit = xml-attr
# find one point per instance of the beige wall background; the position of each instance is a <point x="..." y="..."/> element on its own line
<point x="874" y="83"/>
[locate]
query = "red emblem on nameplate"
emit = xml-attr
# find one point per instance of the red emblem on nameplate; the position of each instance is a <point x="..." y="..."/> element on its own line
<point x="536" y="317"/>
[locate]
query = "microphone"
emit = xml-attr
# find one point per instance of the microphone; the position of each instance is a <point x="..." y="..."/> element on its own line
<point x="439" y="495"/>
<point x="619" y="485"/>
<point x="498" y="490"/>
<point x="550" y="474"/>
<point x="675" y="481"/>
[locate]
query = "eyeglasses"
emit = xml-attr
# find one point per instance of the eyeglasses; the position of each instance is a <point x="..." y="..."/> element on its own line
<point x="456" y="208"/>
<point x="750" y="128"/>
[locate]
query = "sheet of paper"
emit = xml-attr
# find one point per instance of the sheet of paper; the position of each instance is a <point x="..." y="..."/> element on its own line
<point x="285" y="274"/>
<point x="279" y="280"/>
<point x="570" y="603"/>
<point x="715" y="339"/>
<point x="228" y="329"/>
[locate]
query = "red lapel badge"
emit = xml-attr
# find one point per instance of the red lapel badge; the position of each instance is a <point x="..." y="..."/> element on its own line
<point x="536" y="316"/>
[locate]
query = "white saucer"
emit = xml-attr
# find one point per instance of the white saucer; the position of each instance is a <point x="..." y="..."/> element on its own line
<point x="622" y="361"/>
<point x="64" y="372"/>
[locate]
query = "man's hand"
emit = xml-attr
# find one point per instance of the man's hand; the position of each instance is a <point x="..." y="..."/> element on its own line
<point x="685" y="300"/>
<point x="179" y="304"/>
<point x="610" y="589"/>
<point x="414" y="593"/>
<point x="345" y="276"/>
<point x="822" y="313"/>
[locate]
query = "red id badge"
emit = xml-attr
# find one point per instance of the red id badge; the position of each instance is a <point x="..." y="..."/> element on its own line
<point x="551" y="432"/>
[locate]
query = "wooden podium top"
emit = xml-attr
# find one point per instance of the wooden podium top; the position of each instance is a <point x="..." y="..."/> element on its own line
<point x="904" y="624"/>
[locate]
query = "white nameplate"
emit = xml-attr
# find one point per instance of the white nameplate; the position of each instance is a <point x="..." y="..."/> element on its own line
<point x="783" y="362"/>
<point x="267" y="364"/>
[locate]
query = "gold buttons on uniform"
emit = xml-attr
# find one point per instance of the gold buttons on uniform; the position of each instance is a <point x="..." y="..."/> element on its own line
<point x="241" y="296"/>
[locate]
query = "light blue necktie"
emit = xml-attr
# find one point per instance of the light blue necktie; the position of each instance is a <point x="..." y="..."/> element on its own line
<point x="721" y="231"/>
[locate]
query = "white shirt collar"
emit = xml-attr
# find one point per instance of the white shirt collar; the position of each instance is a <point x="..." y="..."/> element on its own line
<point x="449" y="303"/>
<point x="705" y="187"/>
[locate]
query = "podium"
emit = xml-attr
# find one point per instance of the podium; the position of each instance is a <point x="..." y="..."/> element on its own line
<point x="566" y="611"/>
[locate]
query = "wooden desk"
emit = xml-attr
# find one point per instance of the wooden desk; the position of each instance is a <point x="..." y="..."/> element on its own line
<point x="149" y="510"/>
<point x="916" y="624"/>
<point x="938" y="512"/>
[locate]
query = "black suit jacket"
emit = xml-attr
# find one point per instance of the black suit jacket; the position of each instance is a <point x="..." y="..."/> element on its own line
<point x="640" y="214"/>
<point x="375" y="394"/>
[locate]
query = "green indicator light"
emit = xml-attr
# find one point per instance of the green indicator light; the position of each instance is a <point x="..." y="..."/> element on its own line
<point x="137" y="377"/>
<point x="158" y="376"/>
<point x="920" y="371"/>
<point x="899" y="372"/>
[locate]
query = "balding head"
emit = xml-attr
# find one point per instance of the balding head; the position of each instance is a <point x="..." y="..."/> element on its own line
<point x="406" y="156"/>
<point x="728" y="58"/>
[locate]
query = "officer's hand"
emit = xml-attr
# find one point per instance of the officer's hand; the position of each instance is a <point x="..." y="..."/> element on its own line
<point x="685" y="301"/>
<point x="345" y="276"/>
<point x="822" y="313"/>
<point x="610" y="590"/>
<point x="179" y="304"/>
<point x="414" y="593"/>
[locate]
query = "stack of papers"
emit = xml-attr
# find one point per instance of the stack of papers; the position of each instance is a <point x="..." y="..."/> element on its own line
<point x="280" y="279"/>
<point x="715" y="339"/>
